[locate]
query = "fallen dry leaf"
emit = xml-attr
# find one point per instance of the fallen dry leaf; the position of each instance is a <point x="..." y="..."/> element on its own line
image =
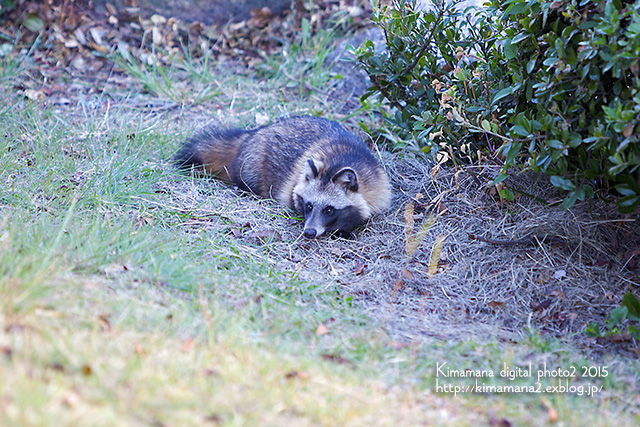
<point x="413" y="240"/>
<point x="322" y="330"/>
<point x="187" y="345"/>
<point x="296" y="374"/>
<point x="436" y="251"/>
<point x="541" y="306"/>
<point x="139" y="349"/>
<point x="114" y="268"/>
<point x="336" y="359"/>
<point x="436" y="168"/>
<point x="408" y="275"/>
<point x="398" y="284"/>
<point x="496" y="304"/>
<point x="556" y="5"/>
<point x="6" y="351"/>
<point x="214" y="419"/>
<point x="103" y="321"/>
<point x="442" y="209"/>
<point x="630" y="258"/>
<point x="59" y="367"/>
<point x="422" y="231"/>
<point x="359" y="268"/>
<point x="603" y="262"/>
<point x="624" y="336"/>
<point x="611" y="296"/>
<point x="498" y="422"/>
<point x="34" y="95"/>
<point x="558" y="294"/>
<point x="552" y="413"/>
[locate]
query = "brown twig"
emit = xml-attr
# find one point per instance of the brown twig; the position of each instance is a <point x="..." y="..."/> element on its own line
<point x="529" y="240"/>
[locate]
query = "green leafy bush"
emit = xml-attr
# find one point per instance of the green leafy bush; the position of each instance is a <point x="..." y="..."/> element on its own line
<point x="622" y="320"/>
<point x="6" y="5"/>
<point x="550" y="86"/>
<point x="409" y="73"/>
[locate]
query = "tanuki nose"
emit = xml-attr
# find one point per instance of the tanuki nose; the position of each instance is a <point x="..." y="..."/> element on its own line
<point x="309" y="233"/>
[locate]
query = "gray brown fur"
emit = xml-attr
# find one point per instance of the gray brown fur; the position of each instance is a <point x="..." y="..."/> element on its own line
<point x="296" y="160"/>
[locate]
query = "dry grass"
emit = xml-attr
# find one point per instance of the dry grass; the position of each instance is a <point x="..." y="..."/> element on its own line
<point x="557" y="285"/>
<point x="86" y="359"/>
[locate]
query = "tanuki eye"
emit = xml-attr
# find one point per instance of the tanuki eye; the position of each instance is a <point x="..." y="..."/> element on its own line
<point x="329" y="210"/>
<point x="309" y="207"/>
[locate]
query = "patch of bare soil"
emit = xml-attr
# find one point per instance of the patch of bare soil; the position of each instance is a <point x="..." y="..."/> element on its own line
<point x="504" y="266"/>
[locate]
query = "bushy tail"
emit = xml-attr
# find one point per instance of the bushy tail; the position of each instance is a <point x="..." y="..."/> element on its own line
<point x="211" y="150"/>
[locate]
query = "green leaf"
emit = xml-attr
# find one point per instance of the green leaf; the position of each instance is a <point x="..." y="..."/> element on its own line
<point x="559" y="45"/>
<point x="593" y="330"/>
<point x="588" y="190"/>
<point x="502" y="94"/>
<point x="516" y="9"/>
<point x="616" y="170"/>
<point x="570" y="200"/>
<point x="630" y="301"/>
<point x="33" y="22"/>
<point x="429" y="17"/>
<point x="510" y="50"/>
<point x="588" y="24"/>
<point x="628" y="204"/>
<point x="531" y="64"/>
<point x="616" y="316"/>
<point x="520" y="37"/>
<point x="625" y="190"/>
<point x="519" y="130"/>
<point x="507" y="194"/>
<point x="513" y="149"/>
<point x="500" y="178"/>
<point x="563" y="183"/>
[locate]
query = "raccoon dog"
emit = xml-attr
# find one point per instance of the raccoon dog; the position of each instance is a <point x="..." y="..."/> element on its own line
<point x="309" y="164"/>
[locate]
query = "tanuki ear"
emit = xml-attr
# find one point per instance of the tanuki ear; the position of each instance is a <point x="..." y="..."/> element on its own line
<point x="347" y="179"/>
<point x="311" y="169"/>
